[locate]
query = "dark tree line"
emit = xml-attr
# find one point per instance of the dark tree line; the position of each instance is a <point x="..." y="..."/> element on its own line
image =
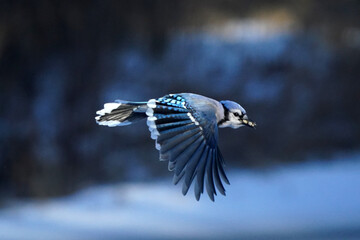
<point x="60" y="61"/>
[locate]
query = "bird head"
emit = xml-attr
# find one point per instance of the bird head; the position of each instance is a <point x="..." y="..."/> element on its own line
<point x="234" y="116"/>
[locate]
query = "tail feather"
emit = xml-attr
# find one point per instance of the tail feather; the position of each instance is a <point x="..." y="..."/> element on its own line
<point x="121" y="113"/>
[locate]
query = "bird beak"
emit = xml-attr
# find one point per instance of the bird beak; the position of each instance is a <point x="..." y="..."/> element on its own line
<point x="249" y="123"/>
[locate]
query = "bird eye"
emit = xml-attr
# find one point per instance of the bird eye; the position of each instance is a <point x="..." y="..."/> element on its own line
<point x="236" y="114"/>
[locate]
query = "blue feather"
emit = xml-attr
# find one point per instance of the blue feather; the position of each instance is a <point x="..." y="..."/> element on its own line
<point x="217" y="179"/>
<point x="190" y="171"/>
<point x="173" y="124"/>
<point x="184" y="158"/>
<point x="210" y="188"/>
<point x="199" y="186"/>
<point x="177" y="140"/>
<point x="171" y="116"/>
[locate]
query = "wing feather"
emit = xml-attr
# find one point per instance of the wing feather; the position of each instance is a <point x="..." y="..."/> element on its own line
<point x="210" y="188"/>
<point x="221" y="168"/>
<point x="169" y="133"/>
<point x="177" y="178"/>
<point x="216" y="175"/>
<point x="188" y="140"/>
<point x="191" y="167"/>
<point x="172" y="124"/>
<point x="186" y="156"/>
<point x="178" y="141"/>
<point x="200" y="175"/>
<point x="174" y="148"/>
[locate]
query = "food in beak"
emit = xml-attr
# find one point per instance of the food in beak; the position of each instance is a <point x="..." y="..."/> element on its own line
<point x="249" y="123"/>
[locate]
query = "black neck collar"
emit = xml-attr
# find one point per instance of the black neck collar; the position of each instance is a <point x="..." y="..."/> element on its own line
<point x="226" y="115"/>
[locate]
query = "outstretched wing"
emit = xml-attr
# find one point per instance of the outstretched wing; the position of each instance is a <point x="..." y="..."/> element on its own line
<point x="188" y="140"/>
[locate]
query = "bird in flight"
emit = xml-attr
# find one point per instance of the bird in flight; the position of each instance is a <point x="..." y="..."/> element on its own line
<point x="185" y="128"/>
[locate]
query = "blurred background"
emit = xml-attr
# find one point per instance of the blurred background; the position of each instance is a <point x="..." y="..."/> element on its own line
<point x="294" y="65"/>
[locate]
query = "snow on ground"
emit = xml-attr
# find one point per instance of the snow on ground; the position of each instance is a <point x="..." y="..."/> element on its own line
<point x="316" y="200"/>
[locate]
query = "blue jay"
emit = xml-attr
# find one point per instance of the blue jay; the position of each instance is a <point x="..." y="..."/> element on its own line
<point x="185" y="127"/>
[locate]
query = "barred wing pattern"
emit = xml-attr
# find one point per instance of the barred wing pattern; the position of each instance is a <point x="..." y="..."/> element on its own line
<point x="189" y="142"/>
